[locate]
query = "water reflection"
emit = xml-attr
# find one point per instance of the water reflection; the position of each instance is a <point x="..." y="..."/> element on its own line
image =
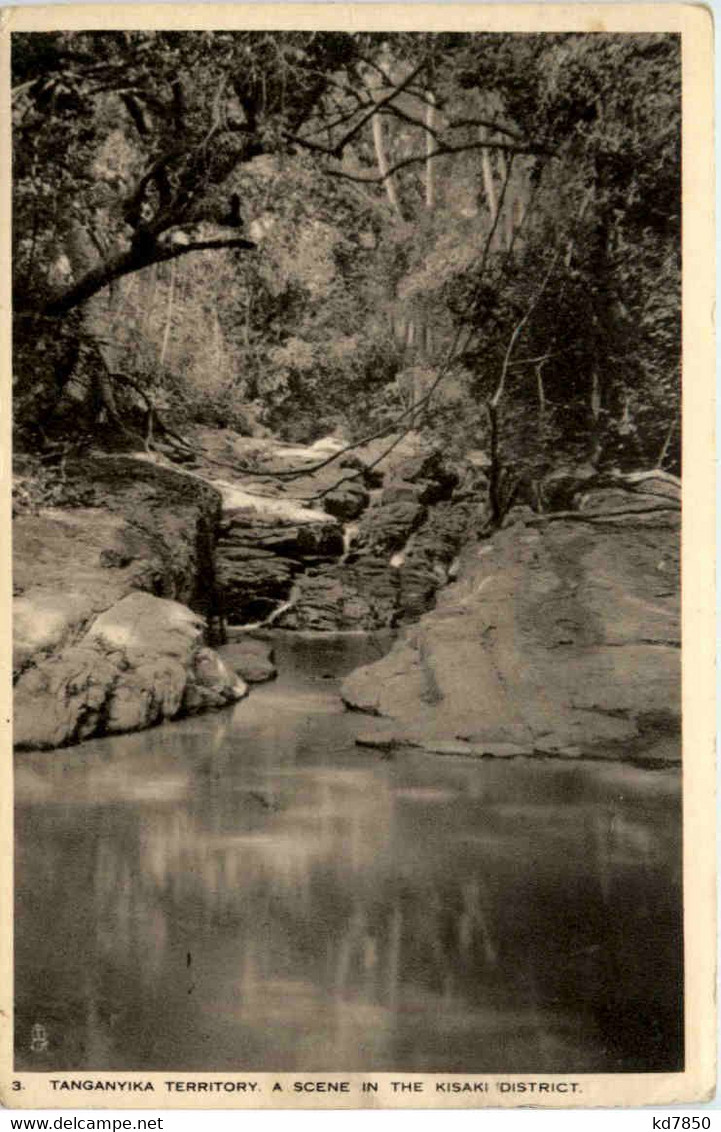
<point x="249" y="890"/>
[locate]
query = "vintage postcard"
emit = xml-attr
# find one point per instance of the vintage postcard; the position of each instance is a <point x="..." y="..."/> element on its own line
<point x="357" y="361"/>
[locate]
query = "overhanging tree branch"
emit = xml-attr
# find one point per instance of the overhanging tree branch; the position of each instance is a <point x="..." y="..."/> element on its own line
<point x="125" y="263"/>
<point x="330" y="125"/>
<point x="486" y="123"/>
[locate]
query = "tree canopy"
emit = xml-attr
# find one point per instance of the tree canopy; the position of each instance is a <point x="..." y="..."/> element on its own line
<point x="478" y="234"/>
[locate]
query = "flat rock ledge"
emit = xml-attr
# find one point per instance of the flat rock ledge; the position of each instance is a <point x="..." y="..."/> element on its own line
<point x="140" y="662"/>
<point x="561" y="640"/>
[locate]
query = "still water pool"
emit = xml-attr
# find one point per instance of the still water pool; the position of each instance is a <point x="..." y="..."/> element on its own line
<point x="249" y="890"/>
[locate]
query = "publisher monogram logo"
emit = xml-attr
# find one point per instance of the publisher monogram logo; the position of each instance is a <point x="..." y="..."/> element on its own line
<point x="38" y="1038"/>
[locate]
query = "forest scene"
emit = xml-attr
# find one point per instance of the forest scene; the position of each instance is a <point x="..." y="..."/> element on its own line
<point x="346" y="501"/>
<point x="505" y="225"/>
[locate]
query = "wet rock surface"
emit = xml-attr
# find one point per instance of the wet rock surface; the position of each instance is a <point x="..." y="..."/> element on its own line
<point x="260" y="552"/>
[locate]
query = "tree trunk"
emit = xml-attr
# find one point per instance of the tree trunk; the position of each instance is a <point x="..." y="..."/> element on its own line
<point x="382" y="160"/>
<point x="667" y="442"/>
<point x="168" y="317"/>
<point x="151" y="288"/>
<point x="595" y="440"/>
<point x="248" y="312"/>
<point x="541" y="392"/>
<point x="430" y="146"/>
<point x="489" y="185"/>
<point x="494" y="472"/>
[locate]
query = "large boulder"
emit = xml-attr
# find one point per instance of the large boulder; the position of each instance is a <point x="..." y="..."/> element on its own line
<point x="436" y="478"/>
<point x="347" y="501"/>
<point x="44" y="621"/>
<point x="406" y="456"/>
<point x="563" y="636"/>
<point x="361" y="595"/>
<point x="166" y="535"/>
<point x="293" y="540"/>
<point x="140" y="662"/>
<point x="559" y="488"/>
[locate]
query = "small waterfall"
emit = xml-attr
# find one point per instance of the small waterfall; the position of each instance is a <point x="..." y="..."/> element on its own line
<point x="350" y="530"/>
<point x="280" y="609"/>
<point x="398" y="559"/>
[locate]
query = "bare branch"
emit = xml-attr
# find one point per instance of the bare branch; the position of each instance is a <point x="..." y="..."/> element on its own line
<point x="489" y="124"/>
<point x="535" y="361"/>
<point x="442" y="151"/>
<point x="454" y="124"/>
<point x="419" y="94"/>
<point x="345" y="117"/>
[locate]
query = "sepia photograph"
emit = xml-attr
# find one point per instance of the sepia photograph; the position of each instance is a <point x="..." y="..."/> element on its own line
<point x="347" y="457"/>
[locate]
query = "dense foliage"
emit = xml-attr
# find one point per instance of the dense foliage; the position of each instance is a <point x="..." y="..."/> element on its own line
<point x="478" y="234"/>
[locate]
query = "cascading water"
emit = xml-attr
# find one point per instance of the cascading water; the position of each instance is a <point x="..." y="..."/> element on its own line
<point x="272" y="617"/>
<point x="350" y="531"/>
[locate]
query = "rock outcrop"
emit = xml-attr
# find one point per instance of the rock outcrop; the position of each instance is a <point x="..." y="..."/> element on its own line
<point x="140" y="526"/>
<point x="102" y="590"/>
<point x="401" y="552"/>
<point x="244" y="548"/>
<point x="252" y="659"/>
<point x="140" y="662"/>
<point x="361" y="543"/>
<point x="264" y="542"/>
<point x="561" y="636"/>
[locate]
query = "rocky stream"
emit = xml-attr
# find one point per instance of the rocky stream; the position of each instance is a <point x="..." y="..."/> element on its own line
<point x="328" y="874"/>
<point x="557" y="635"/>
